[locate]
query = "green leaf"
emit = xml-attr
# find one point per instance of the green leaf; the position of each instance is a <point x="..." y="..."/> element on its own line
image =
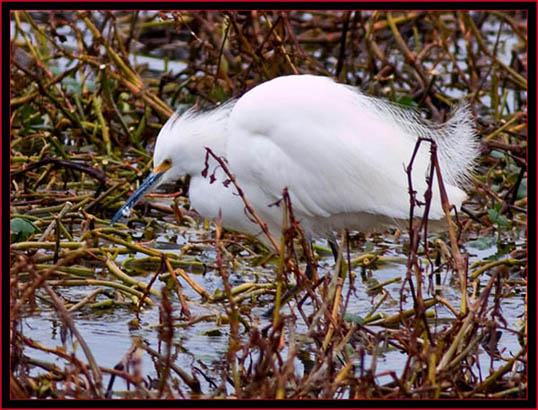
<point x="352" y="318"/>
<point x="72" y="86"/>
<point x="21" y="229"/>
<point x="482" y="243"/>
<point x="92" y="86"/>
<point x="219" y="94"/>
<point x="406" y="100"/>
<point x="212" y="332"/>
<point x="26" y="111"/>
<point x="497" y="218"/>
<point x="55" y="70"/>
<point x="30" y="119"/>
<point x="522" y="190"/>
<point x="497" y="154"/>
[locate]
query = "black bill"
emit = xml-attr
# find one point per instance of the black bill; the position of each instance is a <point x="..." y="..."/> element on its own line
<point x="148" y="183"/>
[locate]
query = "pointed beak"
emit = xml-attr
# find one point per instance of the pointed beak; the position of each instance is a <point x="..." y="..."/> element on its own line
<point x="146" y="186"/>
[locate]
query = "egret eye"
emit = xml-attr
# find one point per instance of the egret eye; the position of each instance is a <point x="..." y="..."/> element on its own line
<point x="166" y="164"/>
<point x="163" y="166"/>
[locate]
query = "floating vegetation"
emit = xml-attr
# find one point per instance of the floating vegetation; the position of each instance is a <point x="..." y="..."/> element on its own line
<point x="169" y="305"/>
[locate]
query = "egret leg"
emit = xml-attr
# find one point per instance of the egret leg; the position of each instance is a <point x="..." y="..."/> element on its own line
<point x="334" y="248"/>
<point x="335" y="251"/>
<point x="309" y="272"/>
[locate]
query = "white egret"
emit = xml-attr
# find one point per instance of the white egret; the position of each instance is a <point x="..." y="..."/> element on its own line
<point x="340" y="153"/>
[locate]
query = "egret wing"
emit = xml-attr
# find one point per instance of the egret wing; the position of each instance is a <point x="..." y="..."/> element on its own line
<point x="333" y="148"/>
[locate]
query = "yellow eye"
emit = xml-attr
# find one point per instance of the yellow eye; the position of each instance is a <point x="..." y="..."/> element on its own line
<point x="163" y="166"/>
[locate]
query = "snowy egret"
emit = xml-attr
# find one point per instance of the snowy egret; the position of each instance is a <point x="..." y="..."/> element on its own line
<point x="341" y="155"/>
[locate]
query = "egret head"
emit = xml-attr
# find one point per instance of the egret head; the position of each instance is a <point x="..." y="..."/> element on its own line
<point x="171" y="150"/>
<point x="181" y="149"/>
<point x="166" y="167"/>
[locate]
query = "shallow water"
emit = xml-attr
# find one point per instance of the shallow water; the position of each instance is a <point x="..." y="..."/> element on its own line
<point x="109" y="336"/>
<point x="108" y="332"/>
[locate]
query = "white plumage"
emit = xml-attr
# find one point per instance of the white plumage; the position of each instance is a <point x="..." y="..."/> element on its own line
<point x="341" y="154"/>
